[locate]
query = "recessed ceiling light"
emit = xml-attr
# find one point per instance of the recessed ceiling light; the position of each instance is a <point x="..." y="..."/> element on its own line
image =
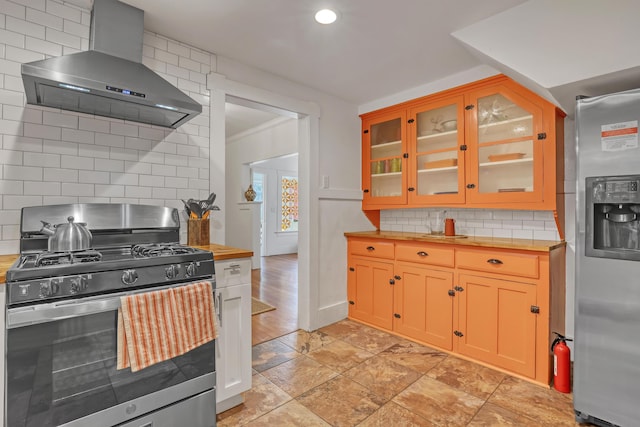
<point x="326" y="16"/>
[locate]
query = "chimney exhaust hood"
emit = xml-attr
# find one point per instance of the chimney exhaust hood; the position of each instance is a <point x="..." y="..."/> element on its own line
<point x="109" y="79"/>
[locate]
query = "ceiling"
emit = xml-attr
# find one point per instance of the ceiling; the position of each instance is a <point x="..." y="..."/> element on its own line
<point x="239" y="118"/>
<point x="378" y="48"/>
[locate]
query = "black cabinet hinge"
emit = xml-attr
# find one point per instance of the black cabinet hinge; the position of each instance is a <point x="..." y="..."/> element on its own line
<point x="542" y="135"/>
<point x="458" y="288"/>
<point x="366" y="131"/>
<point x="392" y="282"/>
<point x="471" y="186"/>
<point x="411" y="189"/>
<point x="458" y="333"/>
<point x="352" y="303"/>
<point x="366" y="190"/>
<point x="396" y="315"/>
<point x="410" y="121"/>
<point x="463" y="147"/>
<point x="535" y="309"/>
<point x="405" y="155"/>
<point x="451" y="293"/>
<point x="469" y="107"/>
<point x="397" y="277"/>
<point x="352" y="269"/>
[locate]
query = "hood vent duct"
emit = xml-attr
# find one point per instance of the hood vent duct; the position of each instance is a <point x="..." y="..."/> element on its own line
<point x="109" y="79"/>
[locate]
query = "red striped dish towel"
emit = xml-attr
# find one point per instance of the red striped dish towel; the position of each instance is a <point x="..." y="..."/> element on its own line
<point x="157" y="326"/>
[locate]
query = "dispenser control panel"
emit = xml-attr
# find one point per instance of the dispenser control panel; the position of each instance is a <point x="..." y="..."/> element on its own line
<point x="614" y="189"/>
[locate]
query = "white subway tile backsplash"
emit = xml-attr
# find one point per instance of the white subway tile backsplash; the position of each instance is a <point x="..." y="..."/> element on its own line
<point x="61" y="175"/>
<point x="137" y="167"/>
<point x="109" y="165"/>
<point x="13" y="53"/>
<point x="76" y="28"/>
<point x="176" y="71"/>
<point x="109" y="190"/>
<point x="81" y="136"/>
<point x="42" y="18"/>
<point x="176" y="160"/>
<point x="151" y="181"/>
<point x="202" y="57"/>
<point x="11" y="200"/>
<point x="187" y="85"/>
<point x="59" y="200"/>
<point x="155" y="41"/>
<point x="187" y="172"/>
<point x="137" y="192"/>
<point x="10" y="216"/>
<point x="97" y="151"/>
<point x="109" y="139"/>
<point x="137" y="143"/>
<point x="11" y="157"/>
<point x="25" y="173"/>
<point x="533" y="225"/>
<point x="42" y="188"/>
<point x="11" y="38"/>
<point x="94" y="177"/>
<point x="42" y="159"/>
<point x="35" y="130"/>
<point x="77" y="162"/>
<point x="63" y="10"/>
<point x="189" y="64"/>
<point x="13" y="142"/>
<point x="11" y="97"/>
<point x="124" y="178"/>
<point x="151" y="157"/>
<point x="124" y="129"/>
<point x="154" y="134"/>
<point x="10" y="8"/>
<point x="94" y="125"/>
<point x="11" y="187"/>
<point x="123" y="154"/>
<point x="10" y="232"/>
<point x="77" y="189"/>
<point x="11" y="127"/>
<point x="175" y="182"/>
<point x="163" y="170"/>
<point x="165" y="147"/>
<point x="197" y="162"/>
<point x="523" y="234"/>
<point x="167" y="57"/>
<point x="60" y="119"/>
<point x="21" y="26"/>
<point x="154" y="64"/>
<point x="178" y="49"/>
<point x="201" y="184"/>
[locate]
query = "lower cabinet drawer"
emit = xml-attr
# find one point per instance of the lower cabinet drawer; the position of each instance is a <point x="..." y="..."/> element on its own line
<point x="233" y="272"/>
<point x="372" y="248"/>
<point x="425" y="254"/>
<point x="513" y="264"/>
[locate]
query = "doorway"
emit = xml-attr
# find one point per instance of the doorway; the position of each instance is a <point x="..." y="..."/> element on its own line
<point x="261" y="150"/>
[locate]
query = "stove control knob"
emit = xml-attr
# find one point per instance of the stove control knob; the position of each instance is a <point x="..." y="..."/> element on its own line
<point x="48" y="289"/>
<point x="78" y="284"/>
<point x="192" y="269"/>
<point x="129" y="277"/>
<point x="172" y="271"/>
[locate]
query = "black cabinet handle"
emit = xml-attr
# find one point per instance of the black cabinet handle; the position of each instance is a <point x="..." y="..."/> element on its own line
<point x="451" y="293"/>
<point x="494" y="261"/>
<point x="422" y="253"/>
<point x="366" y="190"/>
<point x="397" y="277"/>
<point x="371" y="248"/>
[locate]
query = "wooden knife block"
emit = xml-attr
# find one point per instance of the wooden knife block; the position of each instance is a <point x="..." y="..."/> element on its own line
<point x="198" y="232"/>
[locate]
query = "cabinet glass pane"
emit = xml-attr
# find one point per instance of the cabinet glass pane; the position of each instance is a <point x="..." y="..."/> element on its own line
<point x="437" y="129"/>
<point x="437" y="173"/>
<point x="500" y="119"/>
<point x="386" y="177"/>
<point x="506" y="167"/>
<point x="386" y="139"/>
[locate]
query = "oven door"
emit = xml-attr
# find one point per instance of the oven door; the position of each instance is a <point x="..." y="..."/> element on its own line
<point x="61" y="369"/>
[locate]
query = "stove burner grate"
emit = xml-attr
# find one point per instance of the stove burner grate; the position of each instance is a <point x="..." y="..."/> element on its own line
<point x="159" y="249"/>
<point x="62" y="258"/>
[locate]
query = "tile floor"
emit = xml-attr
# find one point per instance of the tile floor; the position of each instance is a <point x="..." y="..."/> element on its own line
<point x="348" y="374"/>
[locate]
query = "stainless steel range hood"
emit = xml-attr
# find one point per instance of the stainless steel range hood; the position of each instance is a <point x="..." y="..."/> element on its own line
<point x="109" y="79"/>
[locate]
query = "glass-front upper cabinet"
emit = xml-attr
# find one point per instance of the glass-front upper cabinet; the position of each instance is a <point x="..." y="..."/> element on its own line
<point x="384" y="175"/>
<point x="505" y="147"/>
<point x="436" y="156"/>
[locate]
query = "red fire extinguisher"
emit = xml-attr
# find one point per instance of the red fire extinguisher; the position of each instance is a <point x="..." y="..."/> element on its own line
<point x="561" y="364"/>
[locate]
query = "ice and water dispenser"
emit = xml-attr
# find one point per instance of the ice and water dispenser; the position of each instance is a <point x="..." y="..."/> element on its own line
<point x="613" y="217"/>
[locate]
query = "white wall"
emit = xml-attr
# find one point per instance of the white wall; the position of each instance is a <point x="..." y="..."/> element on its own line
<point x="276" y="241"/>
<point x="49" y="156"/>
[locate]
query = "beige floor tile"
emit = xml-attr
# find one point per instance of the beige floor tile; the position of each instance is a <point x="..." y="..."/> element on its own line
<point x="263" y="397"/>
<point x="304" y="342"/>
<point x="299" y="375"/>
<point x="415" y="356"/>
<point x="270" y="354"/>
<point x="544" y="405"/>
<point x="491" y="415"/>
<point x="340" y="356"/>
<point x="341" y="402"/>
<point x="372" y="340"/>
<point x="439" y="403"/>
<point x="291" y="414"/>
<point x="343" y="328"/>
<point x="382" y="376"/>
<point x="467" y="376"/>
<point x="392" y="415"/>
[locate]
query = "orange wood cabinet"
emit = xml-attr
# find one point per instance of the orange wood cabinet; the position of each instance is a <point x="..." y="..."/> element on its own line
<point x="493" y="305"/>
<point x="491" y="143"/>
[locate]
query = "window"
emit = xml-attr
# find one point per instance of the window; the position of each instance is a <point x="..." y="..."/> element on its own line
<point x="289" y="203"/>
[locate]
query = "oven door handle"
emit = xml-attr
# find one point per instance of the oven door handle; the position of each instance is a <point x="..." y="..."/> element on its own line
<point x="68" y="309"/>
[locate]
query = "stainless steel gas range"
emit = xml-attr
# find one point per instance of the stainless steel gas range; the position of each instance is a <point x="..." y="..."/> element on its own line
<point x="61" y="320"/>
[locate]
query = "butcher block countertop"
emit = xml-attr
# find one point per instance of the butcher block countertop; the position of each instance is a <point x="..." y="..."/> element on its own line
<point x="487" y="242"/>
<point x="220" y="252"/>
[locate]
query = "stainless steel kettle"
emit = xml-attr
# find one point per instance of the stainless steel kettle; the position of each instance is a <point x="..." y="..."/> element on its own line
<point x="67" y="237"/>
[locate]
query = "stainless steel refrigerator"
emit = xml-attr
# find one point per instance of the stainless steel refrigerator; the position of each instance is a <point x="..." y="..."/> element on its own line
<point x="606" y="376"/>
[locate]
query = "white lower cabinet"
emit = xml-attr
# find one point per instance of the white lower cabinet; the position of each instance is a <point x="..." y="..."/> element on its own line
<point x="233" y="346"/>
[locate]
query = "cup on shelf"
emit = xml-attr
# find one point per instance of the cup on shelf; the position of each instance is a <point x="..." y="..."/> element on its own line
<point x="396" y="165"/>
<point x="437" y="223"/>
